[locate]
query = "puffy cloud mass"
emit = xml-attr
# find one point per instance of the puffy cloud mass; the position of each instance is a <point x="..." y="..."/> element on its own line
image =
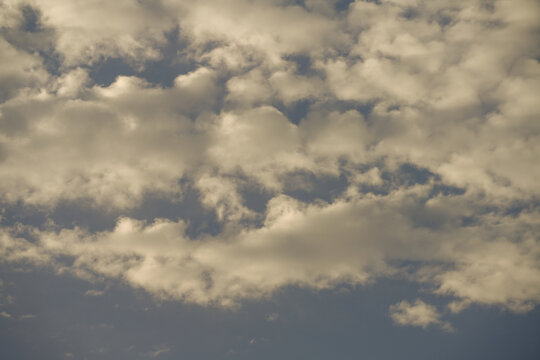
<point x="417" y="314"/>
<point x="294" y="143"/>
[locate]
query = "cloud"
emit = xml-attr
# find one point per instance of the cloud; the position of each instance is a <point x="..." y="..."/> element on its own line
<point x="110" y="124"/>
<point x="27" y="316"/>
<point x="94" y="293"/>
<point x="417" y="144"/>
<point x="271" y="29"/>
<point x="159" y="350"/>
<point x="86" y="31"/>
<point x="5" y="315"/>
<point x="472" y="263"/>
<point x="500" y="273"/>
<point x="20" y="71"/>
<point x="21" y="317"/>
<point x="417" y="314"/>
<point x="272" y="317"/>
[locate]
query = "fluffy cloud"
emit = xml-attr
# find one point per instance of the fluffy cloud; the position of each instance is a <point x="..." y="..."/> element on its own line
<point x="106" y="144"/>
<point x="417" y="314"/>
<point x="20" y="71"/>
<point x="84" y="31"/>
<point x="332" y="145"/>
<point x="355" y="239"/>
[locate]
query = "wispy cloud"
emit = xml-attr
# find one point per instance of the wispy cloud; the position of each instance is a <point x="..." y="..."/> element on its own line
<point x="5" y="315"/>
<point x="93" y="292"/>
<point x="159" y="350"/>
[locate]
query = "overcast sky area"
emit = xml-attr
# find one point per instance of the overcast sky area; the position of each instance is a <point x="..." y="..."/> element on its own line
<point x="269" y="179"/>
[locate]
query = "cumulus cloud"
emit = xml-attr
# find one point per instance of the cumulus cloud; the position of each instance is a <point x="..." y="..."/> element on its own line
<point x="56" y="146"/>
<point x="85" y="31"/>
<point x="331" y="144"/>
<point x="417" y="314"/>
<point x="316" y="245"/>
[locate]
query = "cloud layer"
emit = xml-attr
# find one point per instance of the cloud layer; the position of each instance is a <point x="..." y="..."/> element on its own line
<point x="329" y="143"/>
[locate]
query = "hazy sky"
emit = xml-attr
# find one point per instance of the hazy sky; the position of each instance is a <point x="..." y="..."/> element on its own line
<point x="269" y="179"/>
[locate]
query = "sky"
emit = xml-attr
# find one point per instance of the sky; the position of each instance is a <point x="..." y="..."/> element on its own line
<point x="269" y="179"/>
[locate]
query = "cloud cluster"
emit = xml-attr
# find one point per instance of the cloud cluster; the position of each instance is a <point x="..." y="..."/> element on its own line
<point x="355" y="239"/>
<point x="332" y="143"/>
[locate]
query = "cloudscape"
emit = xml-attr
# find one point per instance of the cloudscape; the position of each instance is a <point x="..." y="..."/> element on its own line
<point x="269" y="179"/>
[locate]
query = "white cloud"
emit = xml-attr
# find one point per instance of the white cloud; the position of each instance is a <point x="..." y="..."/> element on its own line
<point x="417" y="314"/>
<point x="315" y="245"/>
<point x="110" y="147"/>
<point x="88" y="30"/>
<point x="498" y="273"/>
<point x="273" y="30"/>
<point x="446" y="87"/>
<point x="20" y="71"/>
<point x="291" y="87"/>
<point x="273" y="143"/>
<point x="249" y="89"/>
